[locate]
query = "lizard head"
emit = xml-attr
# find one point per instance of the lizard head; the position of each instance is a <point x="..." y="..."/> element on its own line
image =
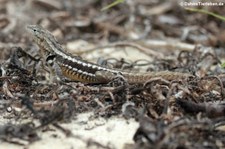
<point x="41" y="36"/>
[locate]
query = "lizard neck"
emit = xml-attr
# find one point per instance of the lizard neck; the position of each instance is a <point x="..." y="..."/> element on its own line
<point x="53" y="47"/>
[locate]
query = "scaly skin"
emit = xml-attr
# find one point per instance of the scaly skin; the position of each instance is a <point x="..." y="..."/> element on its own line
<point x="77" y="69"/>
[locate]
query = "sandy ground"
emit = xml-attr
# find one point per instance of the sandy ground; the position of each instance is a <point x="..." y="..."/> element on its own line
<point x="114" y="132"/>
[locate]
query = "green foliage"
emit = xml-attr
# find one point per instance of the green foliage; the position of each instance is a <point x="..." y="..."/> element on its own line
<point x="223" y="65"/>
<point x="116" y="2"/>
<point x="207" y="12"/>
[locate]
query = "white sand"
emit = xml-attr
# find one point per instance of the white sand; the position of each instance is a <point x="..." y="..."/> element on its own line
<point x="115" y="132"/>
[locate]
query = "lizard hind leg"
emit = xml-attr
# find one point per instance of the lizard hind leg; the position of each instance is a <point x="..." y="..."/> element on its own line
<point x="104" y="76"/>
<point x="107" y="76"/>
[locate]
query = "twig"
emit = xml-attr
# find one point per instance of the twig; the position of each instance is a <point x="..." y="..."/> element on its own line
<point x="145" y="50"/>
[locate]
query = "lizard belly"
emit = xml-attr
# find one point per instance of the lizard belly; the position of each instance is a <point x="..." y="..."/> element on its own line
<point x="77" y="76"/>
